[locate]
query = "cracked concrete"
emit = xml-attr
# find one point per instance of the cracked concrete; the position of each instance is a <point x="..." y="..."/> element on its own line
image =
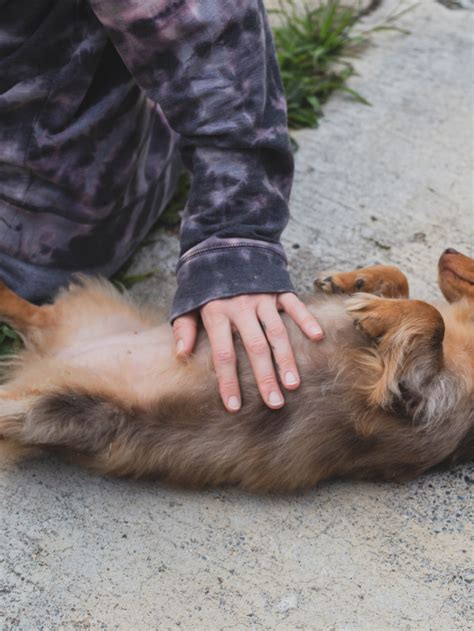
<point x="389" y="183"/>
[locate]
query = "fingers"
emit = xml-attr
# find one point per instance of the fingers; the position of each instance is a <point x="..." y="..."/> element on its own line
<point x="264" y="336"/>
<point x="223" y="355"/>
<point x="185" y="333"/>
<point x="260" y="357"/>
<point x="301" y="315"/>
<point x="279" y="341"/>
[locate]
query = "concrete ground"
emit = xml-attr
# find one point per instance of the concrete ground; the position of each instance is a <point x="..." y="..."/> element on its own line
<point x="389" y="183"/>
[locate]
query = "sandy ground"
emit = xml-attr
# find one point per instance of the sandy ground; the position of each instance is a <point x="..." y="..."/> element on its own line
<point x="389" y="183"/>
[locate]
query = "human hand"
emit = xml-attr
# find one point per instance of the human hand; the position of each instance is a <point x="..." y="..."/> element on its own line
<point x="257" y="320"/>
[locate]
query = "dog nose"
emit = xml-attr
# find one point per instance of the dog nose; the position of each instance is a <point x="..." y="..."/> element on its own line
<point x="450" y="251"/>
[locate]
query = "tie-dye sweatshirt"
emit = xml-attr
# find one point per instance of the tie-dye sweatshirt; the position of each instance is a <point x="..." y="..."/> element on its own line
<point x="100" y="100"/>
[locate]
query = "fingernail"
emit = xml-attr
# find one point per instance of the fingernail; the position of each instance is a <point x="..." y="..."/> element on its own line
<point x="317" y="331"/>
<point x="290" y="378"/>
<point x="179" y="346"/>
<point x="275" y="398"/>
<point x="233" y="403"/>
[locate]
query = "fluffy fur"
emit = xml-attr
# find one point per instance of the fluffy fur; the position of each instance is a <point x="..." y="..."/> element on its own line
<point x="388" y="398"/>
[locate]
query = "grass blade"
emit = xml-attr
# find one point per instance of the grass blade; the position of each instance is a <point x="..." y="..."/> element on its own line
<point x="311" y="47"/>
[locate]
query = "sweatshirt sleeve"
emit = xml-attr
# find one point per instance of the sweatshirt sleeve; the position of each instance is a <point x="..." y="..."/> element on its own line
<point x="211" y="66"/>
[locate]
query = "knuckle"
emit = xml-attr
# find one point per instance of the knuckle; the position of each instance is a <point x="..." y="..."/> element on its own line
<point x="228" y="385"/>
<point x="244" y="299"/>
<point x="285" y="360"/>
<point x="288" y="298"/>
<point x="276" y="329"/>
<point x="258" y="346"/>
<point x="307" y="319"/>
<point x="268" y="381"/>
<point x="243" y="303"/>
<point x="224" y="356"/>
<point x="212" y="308"/>
<point x="180" y="326"/>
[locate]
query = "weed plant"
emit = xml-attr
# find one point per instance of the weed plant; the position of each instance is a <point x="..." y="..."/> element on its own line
<point x="313" y="44"/>
<point x="10" y="342"/>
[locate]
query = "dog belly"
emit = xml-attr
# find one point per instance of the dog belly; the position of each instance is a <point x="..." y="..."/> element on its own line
<point x="142" y="362"/>
<point x="134" y="356"/>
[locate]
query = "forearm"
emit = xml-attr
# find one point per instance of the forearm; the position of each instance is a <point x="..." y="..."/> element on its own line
<point x="212" y="68"/>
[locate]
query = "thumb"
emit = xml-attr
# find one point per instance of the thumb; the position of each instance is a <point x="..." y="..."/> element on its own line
<point x="185" y="333"/>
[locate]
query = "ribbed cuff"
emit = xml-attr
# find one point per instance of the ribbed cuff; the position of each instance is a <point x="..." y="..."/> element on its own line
<point x="222" y="268"/>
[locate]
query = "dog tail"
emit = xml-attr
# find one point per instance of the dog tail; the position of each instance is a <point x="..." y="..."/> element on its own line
<point x="114" y="437"/>
<point x="76" y="420"/>
<point x="95" y="429"/>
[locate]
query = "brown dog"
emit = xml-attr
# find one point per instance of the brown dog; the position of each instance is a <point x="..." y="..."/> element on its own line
<point x="388" y="398"/>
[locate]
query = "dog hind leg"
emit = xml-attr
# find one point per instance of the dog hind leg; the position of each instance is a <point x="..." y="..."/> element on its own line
<point x="26" y="318"/>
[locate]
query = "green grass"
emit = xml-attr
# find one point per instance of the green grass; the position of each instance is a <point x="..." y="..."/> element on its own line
<point x="10" y="342"/>
<point x="122" y="280"/>
<point x="171" y="217"/>
<point x="313" y="47"/>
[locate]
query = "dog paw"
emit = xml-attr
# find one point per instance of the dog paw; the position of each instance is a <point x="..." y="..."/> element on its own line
<point x="372" y="315"/>
<point x="339" y="282"/>
<point x="381" y="280"/>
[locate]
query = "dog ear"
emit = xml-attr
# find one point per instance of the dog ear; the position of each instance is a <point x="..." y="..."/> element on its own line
<point x="407" y="346"/>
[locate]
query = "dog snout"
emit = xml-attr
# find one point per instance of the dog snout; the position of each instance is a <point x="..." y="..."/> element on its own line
<point x="450" y="251"/>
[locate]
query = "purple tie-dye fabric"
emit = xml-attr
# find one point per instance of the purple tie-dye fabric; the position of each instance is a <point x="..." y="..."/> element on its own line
<point x="96" y="99"/>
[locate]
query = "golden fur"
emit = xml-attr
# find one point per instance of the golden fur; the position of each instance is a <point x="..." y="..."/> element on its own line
<point x="388" y="398"/>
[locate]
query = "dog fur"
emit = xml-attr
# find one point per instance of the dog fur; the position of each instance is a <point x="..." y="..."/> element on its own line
<point x="388" y="398"/>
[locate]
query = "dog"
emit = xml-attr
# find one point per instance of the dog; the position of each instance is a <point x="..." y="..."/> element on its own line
<point x="387" y="395"/>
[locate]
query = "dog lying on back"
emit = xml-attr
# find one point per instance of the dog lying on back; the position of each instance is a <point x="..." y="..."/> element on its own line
<point x="388" y="398"/>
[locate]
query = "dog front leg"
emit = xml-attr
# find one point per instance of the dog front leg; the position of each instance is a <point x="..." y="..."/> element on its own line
<point x="380" y="280"/>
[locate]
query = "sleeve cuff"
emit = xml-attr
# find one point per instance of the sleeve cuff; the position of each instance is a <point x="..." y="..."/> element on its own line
<point x="222" y="268"/>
